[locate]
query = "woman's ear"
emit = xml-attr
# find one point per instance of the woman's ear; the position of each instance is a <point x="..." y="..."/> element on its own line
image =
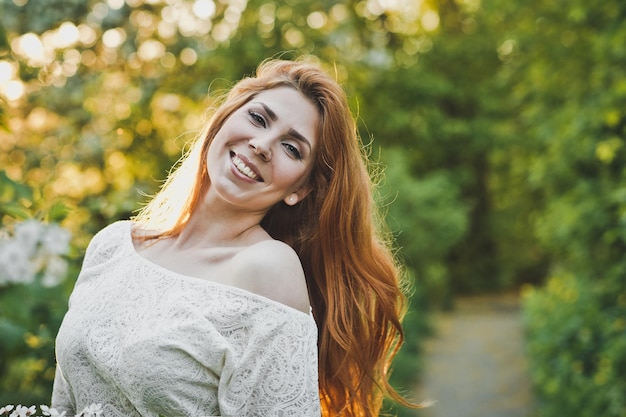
<point x="299" y="195"/>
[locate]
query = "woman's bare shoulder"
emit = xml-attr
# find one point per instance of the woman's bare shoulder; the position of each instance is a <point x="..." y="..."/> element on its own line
<point x="271" y="268"/>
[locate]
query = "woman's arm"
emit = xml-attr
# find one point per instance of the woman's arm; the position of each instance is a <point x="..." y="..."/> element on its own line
<point x="277" y="373"/>
<point x="62" y="398"/>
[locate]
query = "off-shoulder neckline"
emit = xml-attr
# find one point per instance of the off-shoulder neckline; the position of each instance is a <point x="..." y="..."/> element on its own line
<point x="128" y="243"/>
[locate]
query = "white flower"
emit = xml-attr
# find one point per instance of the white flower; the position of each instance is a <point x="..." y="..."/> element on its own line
<point x="6" y="409"/>
<point x="35" y="247"/>
<point x="55" y="272"/>
<point x="28" y="234"/>
<point x="52" y="412"/>
<point x="23" y="411"/>
<point x="47" y="411"/>
<point x="15" y="265"/>
<point x="55" y="240"/>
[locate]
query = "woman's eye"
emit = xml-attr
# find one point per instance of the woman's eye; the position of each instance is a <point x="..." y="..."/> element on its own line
<point x="293" y="150"/>
<point x="258" y="119"/>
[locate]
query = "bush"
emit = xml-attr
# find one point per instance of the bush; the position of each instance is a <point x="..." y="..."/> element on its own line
<point x="427" y="217"/>
<point x="35" y="260"/>
<point x="576" y="345"/>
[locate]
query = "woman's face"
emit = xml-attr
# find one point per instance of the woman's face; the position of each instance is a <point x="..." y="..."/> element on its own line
<point x="264" y="151"/>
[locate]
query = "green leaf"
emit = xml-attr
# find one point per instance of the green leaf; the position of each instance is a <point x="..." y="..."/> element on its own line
<point x="15" y="210"/>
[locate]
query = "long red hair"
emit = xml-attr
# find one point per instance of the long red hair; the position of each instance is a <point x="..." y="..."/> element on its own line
<point x="353" y="279"/>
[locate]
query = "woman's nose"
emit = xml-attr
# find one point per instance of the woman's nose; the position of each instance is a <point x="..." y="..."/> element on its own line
<point x="261" y="148"/>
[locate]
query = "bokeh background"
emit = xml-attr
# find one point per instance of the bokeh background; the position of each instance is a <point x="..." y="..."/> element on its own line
<point x="499" y="126"/>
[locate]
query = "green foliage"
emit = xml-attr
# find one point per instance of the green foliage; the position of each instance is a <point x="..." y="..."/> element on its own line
<point x="570" y="103"/>
<point x="15" y="198"/>
<point x="4" y="45"/>
<point x="427" y="217"/>
<point x="408" y="363"/>
<point x="450" y="113"/>
<point x="30" y="313"/>
<point x="577" y="346"/>
<point x="20" y="202"/>
<point x="30" y="316"/>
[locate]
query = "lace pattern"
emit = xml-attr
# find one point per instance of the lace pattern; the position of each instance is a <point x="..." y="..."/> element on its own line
<point x="145" y="341"/>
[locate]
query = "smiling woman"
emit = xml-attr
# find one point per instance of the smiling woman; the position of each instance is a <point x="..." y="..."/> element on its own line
<point x="254" y="283"/>
<point x="260" y="157"/>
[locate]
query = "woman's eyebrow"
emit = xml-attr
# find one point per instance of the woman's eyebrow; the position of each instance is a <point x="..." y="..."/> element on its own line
<point x="269" y="111"/>
<point x="293" y="132"/>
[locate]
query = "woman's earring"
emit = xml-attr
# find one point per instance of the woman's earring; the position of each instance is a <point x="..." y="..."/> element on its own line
<point x="292" y="199"/>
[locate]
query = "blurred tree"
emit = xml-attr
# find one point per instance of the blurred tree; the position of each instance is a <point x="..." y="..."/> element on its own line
<point x="4" y="47"/>
<point x="437" y="222"/>
<point x="568" y="90"/>
<point x="446" y="107"/>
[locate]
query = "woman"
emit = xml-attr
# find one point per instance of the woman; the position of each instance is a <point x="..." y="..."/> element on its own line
<point x="255" y="282"/>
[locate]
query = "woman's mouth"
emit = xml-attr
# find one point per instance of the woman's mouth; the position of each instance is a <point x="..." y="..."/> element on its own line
<point x="244" y="169"/>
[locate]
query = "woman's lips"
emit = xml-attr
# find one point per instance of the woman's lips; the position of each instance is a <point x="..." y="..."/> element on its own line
<point x="246" y="167"/>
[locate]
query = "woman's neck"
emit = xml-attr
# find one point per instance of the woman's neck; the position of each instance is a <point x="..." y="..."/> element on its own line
<point x="212" y="225"/>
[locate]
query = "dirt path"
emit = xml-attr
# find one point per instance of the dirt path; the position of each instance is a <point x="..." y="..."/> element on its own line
<point x="475" y="364"/>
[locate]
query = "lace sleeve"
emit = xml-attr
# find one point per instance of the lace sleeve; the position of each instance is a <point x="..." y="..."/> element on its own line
<point x="105" y="244"/>
<point x="62" y="398"/>
<point x="276" y="375"/>
<point x="100" y="250"/>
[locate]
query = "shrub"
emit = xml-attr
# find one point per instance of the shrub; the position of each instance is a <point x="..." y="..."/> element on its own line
<point x="34" y="264"/>
<point x="576" y="345"/>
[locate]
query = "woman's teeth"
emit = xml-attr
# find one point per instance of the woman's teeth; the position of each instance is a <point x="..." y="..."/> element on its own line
<point x="243" y="168"/>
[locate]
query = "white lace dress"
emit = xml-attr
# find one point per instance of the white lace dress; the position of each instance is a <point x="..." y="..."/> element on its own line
<point x="145" y="341"/>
